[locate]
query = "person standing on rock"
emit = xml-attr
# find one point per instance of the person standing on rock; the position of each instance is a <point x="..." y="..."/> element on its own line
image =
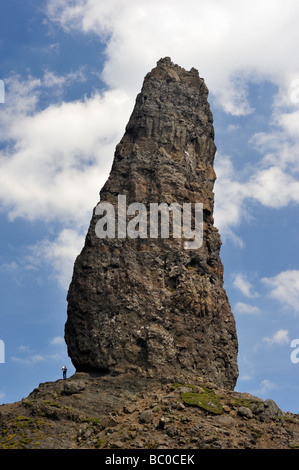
<point x="64" y="369"/>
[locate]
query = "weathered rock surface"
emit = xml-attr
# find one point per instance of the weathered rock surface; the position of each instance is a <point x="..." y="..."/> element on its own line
<point x="87" y="411"/>
<point x="149" y="305"/>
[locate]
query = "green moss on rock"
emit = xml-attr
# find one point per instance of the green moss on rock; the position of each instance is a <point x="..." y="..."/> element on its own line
<point x="206" y="400"/>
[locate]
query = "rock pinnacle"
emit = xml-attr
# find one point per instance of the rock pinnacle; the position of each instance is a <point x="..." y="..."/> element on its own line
<point x="139" y="301"/>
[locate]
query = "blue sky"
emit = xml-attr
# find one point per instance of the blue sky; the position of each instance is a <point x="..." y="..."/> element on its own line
<point x="72" y="69"/>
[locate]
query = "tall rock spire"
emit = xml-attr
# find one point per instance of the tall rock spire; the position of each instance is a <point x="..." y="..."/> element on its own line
<point x="139" y="300"/>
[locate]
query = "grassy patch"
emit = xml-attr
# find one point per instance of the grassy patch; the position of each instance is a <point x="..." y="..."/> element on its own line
<point x="256" y="433"/>
<point x="22" y="434"/>
<point x="101" y="443"/>
<point x="286" y="419"/>
<point x="251" y="404"/>
<point x="23" y="422"/>
<point x="207" y="400"/>
<point x="51" y="403"/>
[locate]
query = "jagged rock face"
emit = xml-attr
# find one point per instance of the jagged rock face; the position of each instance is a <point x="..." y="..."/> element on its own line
<point x="149" y="304"/>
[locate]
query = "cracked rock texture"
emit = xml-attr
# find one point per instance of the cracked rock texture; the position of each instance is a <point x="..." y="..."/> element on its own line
<point x="148" y="305"/>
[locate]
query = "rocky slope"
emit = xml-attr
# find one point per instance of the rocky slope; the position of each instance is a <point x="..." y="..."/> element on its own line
<point x="87" y="411"/>
<point x="151" y="303"/>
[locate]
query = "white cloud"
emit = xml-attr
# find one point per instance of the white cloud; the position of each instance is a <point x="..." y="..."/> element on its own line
<point x="29" y="359"/>
<point x="280" y="337"/>
<point x="26" y="356"/>
<point x="215" y="37"/>
<point x="266" y="386"/>
<point x="244" y="377"/>
<point x="241" y="307"/>
<point x="274" y="188"/>
<point x="284" y="287"/>
<point x="57" y="340"/>
<point x="229" y="199"/>
<point x="9" y="267"/>
<point x="53" y="80"/>
<point x="272" y="183"/>
<point x="241" y="283"/>
<point x="65" y="151"/>
<point x="59" y="253"/>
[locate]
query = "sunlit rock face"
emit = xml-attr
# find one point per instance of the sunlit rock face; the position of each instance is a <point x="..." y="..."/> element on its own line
<point x="139" y="301"/>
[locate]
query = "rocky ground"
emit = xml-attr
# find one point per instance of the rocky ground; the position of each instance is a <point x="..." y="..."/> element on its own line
<point x="87" y="411"/>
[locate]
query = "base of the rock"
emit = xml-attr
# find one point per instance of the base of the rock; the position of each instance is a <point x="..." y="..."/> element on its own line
<point x="95" y="411"/>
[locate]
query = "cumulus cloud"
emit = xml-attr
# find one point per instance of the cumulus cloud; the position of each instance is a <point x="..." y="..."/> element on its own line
<point x="215" y="37"/>
<point x="59" y="253"/>
<point x="54" y="161"/>
<point x="242" y="307"/>
<point x="270" y="184"/>
<point x="57" y="340"/>
<point x="58" y="83"/>
<point x="266" y="386"/>
<point x="26" y="356"/>
<point x="229" y="201"/>
<point x="284" y="287"/>
<point x="241" y="283"/>
<point x="276" y="183"/>
<point x="274" y="188"/>
<point x="65" y="151"/>
<point x="31" y="359"/>
<point x="280" y="337"/>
